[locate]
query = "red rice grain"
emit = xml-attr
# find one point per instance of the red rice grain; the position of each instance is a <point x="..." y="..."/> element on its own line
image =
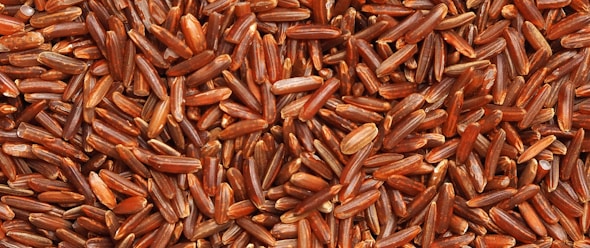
<point x="402" y="123"/>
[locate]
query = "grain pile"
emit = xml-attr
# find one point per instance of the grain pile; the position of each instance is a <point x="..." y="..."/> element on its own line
<point x="283" y="123"/>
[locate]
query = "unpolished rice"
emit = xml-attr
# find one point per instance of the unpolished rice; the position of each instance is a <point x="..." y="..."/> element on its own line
<point x="285" y="123"/>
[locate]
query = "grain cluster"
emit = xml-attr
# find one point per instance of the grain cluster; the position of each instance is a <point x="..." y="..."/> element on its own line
<point x="294" y="123"/>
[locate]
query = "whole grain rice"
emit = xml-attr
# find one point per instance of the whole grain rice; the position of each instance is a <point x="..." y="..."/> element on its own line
<point x="294" y="123"/>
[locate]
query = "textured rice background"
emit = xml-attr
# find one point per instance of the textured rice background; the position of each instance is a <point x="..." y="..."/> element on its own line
<point x="294" y="123"/>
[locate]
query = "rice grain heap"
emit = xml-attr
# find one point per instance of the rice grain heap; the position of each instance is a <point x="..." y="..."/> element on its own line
<point x="294" y="123"/>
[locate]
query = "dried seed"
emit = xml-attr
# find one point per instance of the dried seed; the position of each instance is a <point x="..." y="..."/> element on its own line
<point x="563" y="27"/>
<point x="513" y="226"/>
<point x="312" y="31"/>
<point x="242" y="128"/>
<point x="257" y="231"/>
<point x="399" y="238"/>
<point x="319" y="98"/>
<point x="358" y="138"/>
<point x="396" y="59"/>
<point x="209" y="71"/>
<point x="174" y="164"/>
<point x="429" y="22"/>
<point x="357" y="204"/>
<point x="491" y="197"/>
